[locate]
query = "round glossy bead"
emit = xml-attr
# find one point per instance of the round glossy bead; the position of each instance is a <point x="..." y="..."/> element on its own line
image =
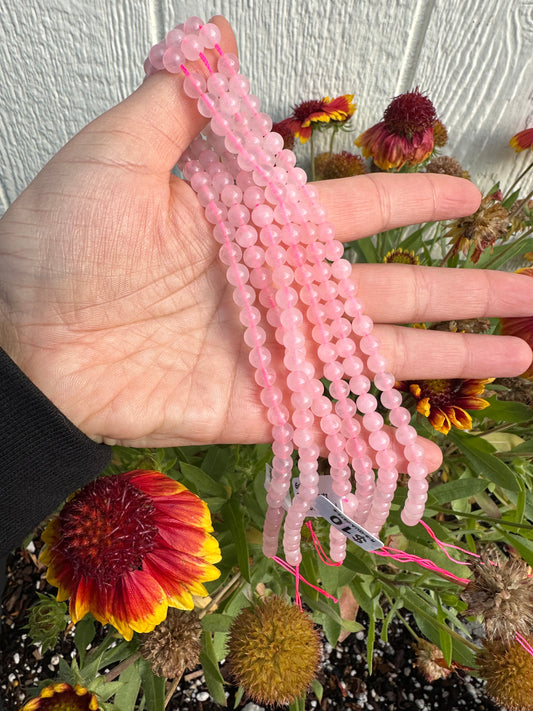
<point x="384" y="381"/>
<point x="414" y="452"/>
<point x="386" y="458"/>
<point x="399" y="416"/>
<point x="363" y="325"/>
<point x="156" y="55"/>
<point x="406" y="434"/>
<point x="194" y="85"/>
<point x="417" y="469"/>
<point x="192" y="46"/>
<point x="209" y="34"/>
<point x="173" y="58"/>
<point x="366" y="403"/>
<point x="379" y="440"/>
<point x="390" y="399"/>
<point x="376" y="363"/>
<point x="192" y="24"/>
<point x="372" y="421"/>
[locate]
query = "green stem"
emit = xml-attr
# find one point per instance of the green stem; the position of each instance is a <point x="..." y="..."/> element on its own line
<point x="448" y="255"/>
<point x="509" y="246"/>
<point x="312" y="147"/>
<point x="333" y="134"/>
<point x="219" y="595"/>
<point x="524" y="172"/>
<point x="117" y="671"/>
<point x="408" y="626"/>
<point x="523" y="201"/>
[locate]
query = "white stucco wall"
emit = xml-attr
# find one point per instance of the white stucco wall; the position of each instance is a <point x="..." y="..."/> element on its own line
<point x="62" y="62"/>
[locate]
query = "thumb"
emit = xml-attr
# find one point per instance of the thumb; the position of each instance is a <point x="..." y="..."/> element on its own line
<point x="154" y="125"/>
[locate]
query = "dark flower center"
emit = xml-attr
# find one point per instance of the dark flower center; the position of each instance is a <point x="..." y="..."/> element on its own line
<point x="107" y="529"/>
<point x="441" y="393"/>
<point x="409" y="114"/>
<point x="305" y="109"/>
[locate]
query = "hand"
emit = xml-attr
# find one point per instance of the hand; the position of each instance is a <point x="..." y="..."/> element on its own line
<point x="114" y="303"/>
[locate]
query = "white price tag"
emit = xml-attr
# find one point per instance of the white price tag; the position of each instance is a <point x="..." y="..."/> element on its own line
<point x="356" y="533"/>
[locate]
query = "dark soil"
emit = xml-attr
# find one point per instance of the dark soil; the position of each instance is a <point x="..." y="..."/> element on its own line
<point x="395" y="685"/>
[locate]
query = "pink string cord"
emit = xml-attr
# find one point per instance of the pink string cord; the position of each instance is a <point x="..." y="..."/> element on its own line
<point x="525" y="644"/>
<point x="443" y="546"/>
<point x="320" y="551"/>
<point x="299" y="577"/>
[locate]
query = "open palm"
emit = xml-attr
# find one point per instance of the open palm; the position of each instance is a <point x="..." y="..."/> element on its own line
<point x="114" y="303"/>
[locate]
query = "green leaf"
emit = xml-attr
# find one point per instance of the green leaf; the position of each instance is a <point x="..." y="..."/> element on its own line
<point x="218" y="460"/>
<point x="453" y="490"/>
<point x="371" y="638"/>
<point x="446" y="642"/>
<point x="84" y="635"/>
<point x="232" y="516"/>
<point x="201" y="482"/>
<point x="508" y="410"/>
<point x="213" y="677"/>
<point x="479" y="453"/>
<point x="216" y="622"/>
<point x="318" y="689"/>
<point x="153" y="687"/>
<point x="126" y="697"/>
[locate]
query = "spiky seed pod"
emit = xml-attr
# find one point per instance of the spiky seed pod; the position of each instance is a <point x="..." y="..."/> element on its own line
<point x="46" y="621"/>
<point x="440" y="134"/>
<point x="338" y="165"/>
<point x="508" y="671"/>
<point x="447" y="165"/>
<point x="489" y="223"/>
<point x="502" y="595"/>
<point x="174" y="645"/>
<point x="273" y="651"/>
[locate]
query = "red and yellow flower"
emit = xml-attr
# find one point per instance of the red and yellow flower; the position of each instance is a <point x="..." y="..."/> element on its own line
<point x="128" y="546"/>
<point x="309" y="113"/>
<point x="522" y="327"/>
<point x="445" y="402"/>
<point x="522" y="140"/>
<point x="63" y="697"/>
<point x="404" y="136"/>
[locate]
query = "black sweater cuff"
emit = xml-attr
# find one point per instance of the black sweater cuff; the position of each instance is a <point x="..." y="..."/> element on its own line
<point x="43" y="457"/>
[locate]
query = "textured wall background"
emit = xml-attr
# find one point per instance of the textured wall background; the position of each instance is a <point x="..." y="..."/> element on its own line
<point x="62" y="62"/>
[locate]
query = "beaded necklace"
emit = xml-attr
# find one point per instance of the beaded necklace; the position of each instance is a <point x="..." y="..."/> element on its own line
<point x="289" y="277"/>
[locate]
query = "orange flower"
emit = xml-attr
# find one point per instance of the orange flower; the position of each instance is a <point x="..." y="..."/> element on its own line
<point x="522" y="140"/>
<point x="325" y="110"/>
<point x="520" y="326"/>
<point x="405" y="136"/>
<point x="444" y="402"/>
<point x="63" y="697"/>
<point x="128" y="546"/>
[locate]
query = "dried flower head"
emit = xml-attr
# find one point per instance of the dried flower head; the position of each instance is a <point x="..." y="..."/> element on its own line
<point x="309" y="114"/>
<point x="440" y="134"/>
<point x="338" y="165"/>
<point x="522" y="327"/>
<point x="46" y="621"/>
<point x="273" y="651"/>
<point x="430" y="660"/>
<point x="489" y="223"/>
<point x="174" y="645"/>
<point x="502" y="594"/>
<point x="508" y="671"/>
<point x="128" y="546"/>
<point x="63" y="697"/>
<point x="401" y="256"/>
<point x="447" y="165"/>
<point x="404" y="136"/>
<point x="285" y="131"/>
<point x="465" y="325"/>
<point x="522" y="140"/>
<point x="444" y="402"/>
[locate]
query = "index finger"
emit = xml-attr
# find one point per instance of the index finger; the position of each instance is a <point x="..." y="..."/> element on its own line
<point x="367" y="204"/>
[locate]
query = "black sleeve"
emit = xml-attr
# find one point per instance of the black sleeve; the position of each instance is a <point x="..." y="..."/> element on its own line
<point x="43" y="458"/>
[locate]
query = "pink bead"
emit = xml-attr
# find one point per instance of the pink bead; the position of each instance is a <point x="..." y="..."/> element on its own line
<point x="339" y="389"/>
<point x="372" y="422"/>
<point x="406" y="434"/>
<point x="173" y="58"/>
<point x="192" y="24"/>
<point x="387" y="476"/>
<point x="215" y="212"/>
<point x="265" y="377"/>
<point x="194" y="85"/>
<point x="246" y="236"/>
<point x="352" y="366"/>
<point x="418" y="486"/>
<point x="345" y="408"/>
<point x="341" y="488"/>
<point x="417" y="469"/>
<point x="386" y="459"/>
<point x="333" y="371"/>
<point x="206" y="105"/>
<point x="238" y="215"/>
<point x="254" y="257"/>
<point x="326" y="353"/>
<point x="309" y="454"/>
<point x="366" y="403"/>
<point x="414" y="452"/>
<point x="399" y="416"/>
<point x="379" y="440"/>
<point x="330" y="424"/>
<point x="377" y="363"/>
<point x="251" y="316"/>
<point x="209" y="35"/>
<point x="321" y="406"/>
<point x="335" y="442"/>
<point x="301" y="400"/>
<point x="338" y="459"/>
<point x="303" y="438"/>
<point x="156" y="55"/>
<point x="237" y="274"/>
<point x="363" y="325"/>
<point x="282" y="276"/>
<point x="359" y="384"/>
<point x="384" y="381"/>
<point x="282" y="433"/>
<point x="390" y="399"/>
<point x="369" y="344"/>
